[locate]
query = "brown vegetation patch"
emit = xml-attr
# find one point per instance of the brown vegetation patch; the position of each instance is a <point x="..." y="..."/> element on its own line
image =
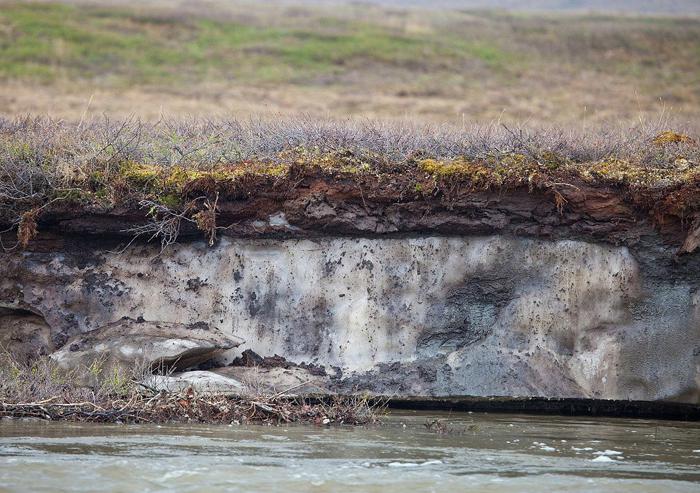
<point x="26" y="229"/>
<point x="670" y="137"/>
<point x="191" y="407"/>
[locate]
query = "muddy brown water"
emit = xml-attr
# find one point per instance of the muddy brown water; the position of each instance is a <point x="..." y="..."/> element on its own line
<point x="476" y="452"/>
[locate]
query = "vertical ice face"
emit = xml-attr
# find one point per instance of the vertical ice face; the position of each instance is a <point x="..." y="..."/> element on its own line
<point x="484" y="315"/>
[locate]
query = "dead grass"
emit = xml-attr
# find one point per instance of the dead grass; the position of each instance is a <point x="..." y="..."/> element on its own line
<point x="44" y="390"/>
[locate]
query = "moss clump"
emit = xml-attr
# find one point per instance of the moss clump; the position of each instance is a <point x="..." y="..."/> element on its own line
<point x="276" y="170"/>
<point x="343" y="161"/>
<point x="460" y="169"/>
<point x="492" y="171"/>
<point x="670" y="137"/>
<point x="171" y="200"/>
<point x="139" y="174"/>
<point x="173" y="186"/>
<point x="551" y="160"/>
<point x="623" y="172"/>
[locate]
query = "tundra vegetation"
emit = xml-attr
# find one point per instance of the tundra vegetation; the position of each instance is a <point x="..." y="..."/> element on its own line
<point x="134" y="58"/>
<point x="176" y="172"/>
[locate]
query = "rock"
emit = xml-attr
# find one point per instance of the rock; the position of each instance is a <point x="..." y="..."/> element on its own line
<point x="205" y="382"/>
<point x="248" y="358"/>
<point x="272" y="380"/>
<point x="24" y="335"/>
<point x="135" y="345"/>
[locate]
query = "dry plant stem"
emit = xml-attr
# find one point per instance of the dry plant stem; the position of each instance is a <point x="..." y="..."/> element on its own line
<point x="188" y="406"/>
<point x="164" y="224"/>
<point x="43" y="390"/>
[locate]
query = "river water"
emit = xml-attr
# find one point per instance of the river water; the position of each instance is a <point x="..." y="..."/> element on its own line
<point x="477" y="452"/>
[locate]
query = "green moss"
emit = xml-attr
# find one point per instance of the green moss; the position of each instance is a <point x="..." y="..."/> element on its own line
<point x="171" y="200"/>
<point x="102" y="193"/>
<point x="461" y="170"/>
<point x="551" y="160"/>
<point x="277" y="170"/>
<point x="177" y="177"/>
<point x="354" y="169"/>
<point x="74" y="195"/>
<point x="636" y="175"/>
<point x="171" y="185"/>
<point x="494" y="170"/>
<point x="139" y="174"/>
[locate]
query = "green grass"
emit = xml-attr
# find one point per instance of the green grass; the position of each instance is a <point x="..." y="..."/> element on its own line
<point x="350" y="60"/>
<point x="45" y="42"/>
<point x="49" y="41"/>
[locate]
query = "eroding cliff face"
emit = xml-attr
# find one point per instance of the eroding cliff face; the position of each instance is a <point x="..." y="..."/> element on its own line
<point x="490" y="315"/>
<point x="23" y="334"/>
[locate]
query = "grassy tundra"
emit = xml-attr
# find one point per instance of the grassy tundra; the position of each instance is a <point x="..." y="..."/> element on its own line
<point x="438" y="65"/>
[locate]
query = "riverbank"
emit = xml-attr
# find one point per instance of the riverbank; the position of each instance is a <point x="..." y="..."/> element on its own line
<point x="342" y="257"/>
<point x="193" y="407"/>
<point x="46" y="391"/>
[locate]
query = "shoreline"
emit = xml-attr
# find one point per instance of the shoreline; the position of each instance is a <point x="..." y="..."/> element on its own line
<point x="329" y="410"/>
<point x="190" y="406"/>
<point x="609" y="408"/>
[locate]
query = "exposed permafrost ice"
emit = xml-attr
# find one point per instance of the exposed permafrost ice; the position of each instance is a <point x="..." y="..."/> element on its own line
<point x="428" y="315"/>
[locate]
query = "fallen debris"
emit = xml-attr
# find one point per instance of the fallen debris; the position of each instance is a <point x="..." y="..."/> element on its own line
<point x="45" y="391"/>
<point x="120" y="346"/>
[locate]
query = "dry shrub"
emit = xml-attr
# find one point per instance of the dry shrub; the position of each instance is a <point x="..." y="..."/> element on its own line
<point x="206" y="219"/>
<point x="27" y="228"/>
<point x="38" y="380"/>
